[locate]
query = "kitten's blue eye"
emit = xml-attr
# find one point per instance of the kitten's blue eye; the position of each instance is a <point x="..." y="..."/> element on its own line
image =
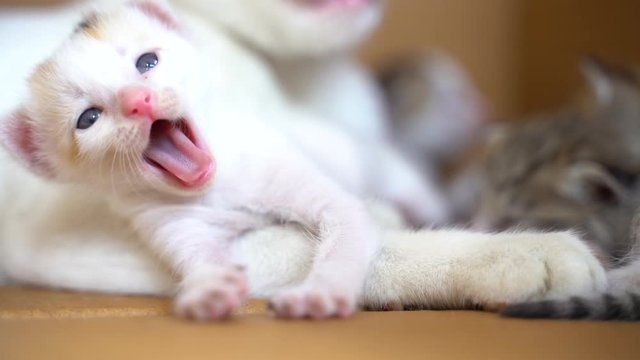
<point x="146" y="62"/>
<point x="88" y="118"/>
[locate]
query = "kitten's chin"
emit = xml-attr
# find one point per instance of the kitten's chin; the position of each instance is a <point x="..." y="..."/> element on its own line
<point x="178" y="155"/>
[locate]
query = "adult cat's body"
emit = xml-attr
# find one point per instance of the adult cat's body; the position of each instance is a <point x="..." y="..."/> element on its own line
<point x="309" y="47"/>
<point x="41" y="243"/>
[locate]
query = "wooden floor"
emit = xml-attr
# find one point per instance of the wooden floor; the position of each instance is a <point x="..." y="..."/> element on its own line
<point x="39" y="324"/>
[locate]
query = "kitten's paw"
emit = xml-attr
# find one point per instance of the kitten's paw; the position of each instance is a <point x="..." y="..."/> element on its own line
<point x="213" y="294"/>
<point x="316" y="301"/>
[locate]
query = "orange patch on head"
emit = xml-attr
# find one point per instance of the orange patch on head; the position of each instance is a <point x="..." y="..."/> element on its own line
<point x="93" y="32"/>
<point x="90" y="26"/>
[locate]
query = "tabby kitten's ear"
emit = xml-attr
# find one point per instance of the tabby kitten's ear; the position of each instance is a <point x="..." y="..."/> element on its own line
<point x="599" y="78"/>
<point x="590" y="183"/>
<point x="18" y="137"/>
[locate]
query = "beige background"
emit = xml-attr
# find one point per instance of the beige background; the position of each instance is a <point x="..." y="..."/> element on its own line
<point x="522" y="53"/>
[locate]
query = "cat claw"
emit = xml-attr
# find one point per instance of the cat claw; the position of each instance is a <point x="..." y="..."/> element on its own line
<point x="214" y="295"/>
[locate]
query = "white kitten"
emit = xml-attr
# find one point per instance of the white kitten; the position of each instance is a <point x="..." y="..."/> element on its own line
<point x="117" y="108"/>
<point x="309" y="46"/>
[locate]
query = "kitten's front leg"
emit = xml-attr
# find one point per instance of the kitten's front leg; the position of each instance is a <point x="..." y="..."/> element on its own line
<point x="333" y="286"/>
<point x="195" y="246"/>
<point x="348" y="238"/>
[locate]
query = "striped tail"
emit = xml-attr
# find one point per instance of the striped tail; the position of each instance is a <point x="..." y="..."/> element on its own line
<point x="608" y="306"/>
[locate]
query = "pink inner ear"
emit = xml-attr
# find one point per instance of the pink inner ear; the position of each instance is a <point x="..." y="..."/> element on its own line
<point x="18" y="138"/>
<point x="157" y="11"/>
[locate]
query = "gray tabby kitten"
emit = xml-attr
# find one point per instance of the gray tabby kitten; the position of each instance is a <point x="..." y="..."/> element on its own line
<point x="576" y="169"/>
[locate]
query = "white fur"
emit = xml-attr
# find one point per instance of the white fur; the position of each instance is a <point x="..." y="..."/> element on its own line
<point x="283" y="28"/>
<point x="445" y="269"/>
<point x="310" y="53"/>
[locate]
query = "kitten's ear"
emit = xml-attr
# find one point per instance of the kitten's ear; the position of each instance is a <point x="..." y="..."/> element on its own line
<point x="17" y="136"/>
<point x="598" y="76"/>
<point x="591" y="184"/>
<point x="158" y="9"/>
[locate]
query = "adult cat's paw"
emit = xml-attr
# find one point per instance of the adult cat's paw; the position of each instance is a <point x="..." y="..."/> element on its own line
<point x="213" y="294"/>
<point x="316" y="300"/>
<point x="572" y="268"/>
<point x="535" y="267"/>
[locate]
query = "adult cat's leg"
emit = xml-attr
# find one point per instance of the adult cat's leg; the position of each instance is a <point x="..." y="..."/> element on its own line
<point x="459" y="269"/>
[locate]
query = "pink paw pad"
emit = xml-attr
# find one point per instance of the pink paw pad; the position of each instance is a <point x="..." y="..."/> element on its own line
<point x="313" y="303"/>
<point x="214" y="297"/>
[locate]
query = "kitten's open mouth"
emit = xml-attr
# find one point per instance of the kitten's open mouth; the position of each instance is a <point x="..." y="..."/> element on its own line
<point x="177" y="150"/>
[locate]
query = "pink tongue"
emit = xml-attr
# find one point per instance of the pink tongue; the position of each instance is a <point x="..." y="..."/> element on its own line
<point x="177" y="154"/>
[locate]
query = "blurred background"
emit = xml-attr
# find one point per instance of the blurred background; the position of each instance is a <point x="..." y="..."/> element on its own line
<point x="522" y="54"/>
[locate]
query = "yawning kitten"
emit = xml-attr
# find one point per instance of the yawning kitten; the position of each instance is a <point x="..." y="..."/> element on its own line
<point x="118" y="109"/>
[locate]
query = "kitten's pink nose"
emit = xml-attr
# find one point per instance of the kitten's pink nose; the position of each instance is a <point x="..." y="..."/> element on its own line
<point x="136" y="101"/>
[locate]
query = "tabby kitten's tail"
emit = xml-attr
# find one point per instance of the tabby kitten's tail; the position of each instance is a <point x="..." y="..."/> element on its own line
<point x="621" y="306"/>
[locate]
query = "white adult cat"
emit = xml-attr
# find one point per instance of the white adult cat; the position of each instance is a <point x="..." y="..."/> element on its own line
<point x="63" y="235"/>
<point x="309" y="46"/>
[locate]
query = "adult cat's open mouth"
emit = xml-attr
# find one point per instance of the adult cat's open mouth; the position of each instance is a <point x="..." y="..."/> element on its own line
<point x="176" y="149"/>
